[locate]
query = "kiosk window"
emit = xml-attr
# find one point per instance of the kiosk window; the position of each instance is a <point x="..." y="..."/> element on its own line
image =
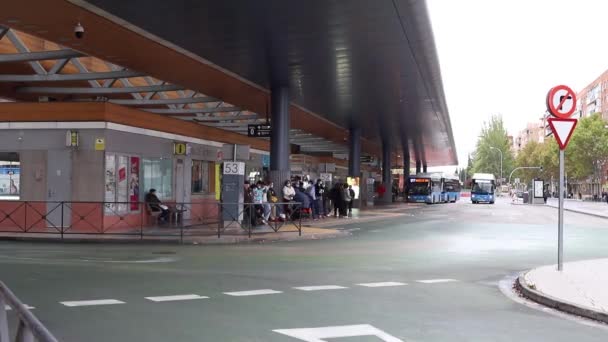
<point x="200" y="177"/>
<point x="158" y="174"/>
<point x="10" y="171"/>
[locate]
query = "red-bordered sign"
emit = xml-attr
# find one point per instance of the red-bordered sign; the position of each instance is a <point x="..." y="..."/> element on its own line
<point x="561" y="101"/>
<point x="562" y="130"/>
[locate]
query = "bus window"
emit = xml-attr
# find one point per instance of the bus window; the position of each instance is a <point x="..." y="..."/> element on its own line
<point x="483" y="188"/>
<point x="419" y="188"/>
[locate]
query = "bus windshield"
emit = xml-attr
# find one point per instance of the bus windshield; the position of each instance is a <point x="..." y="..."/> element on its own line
<point x="483" y="188"/>
<point x="419" y="188"/>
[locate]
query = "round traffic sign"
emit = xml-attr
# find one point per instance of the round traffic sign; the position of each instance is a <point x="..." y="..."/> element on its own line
<point x="561" y="101"/>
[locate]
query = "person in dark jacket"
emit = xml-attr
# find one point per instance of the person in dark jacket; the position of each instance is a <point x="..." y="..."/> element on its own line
<point x="302" y="198"/>
<point x="156" y="205"/>
<point x="320" y="198"/>
<point x="336" y="198"/>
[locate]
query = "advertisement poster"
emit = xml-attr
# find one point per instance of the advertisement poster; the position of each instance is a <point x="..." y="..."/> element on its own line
<point x="110" y="184"/>
<point x="134" y="184"/>
<point x="122" y="184"/>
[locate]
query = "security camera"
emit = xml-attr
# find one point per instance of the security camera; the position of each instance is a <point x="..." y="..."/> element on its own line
<point x="79" y="31"/>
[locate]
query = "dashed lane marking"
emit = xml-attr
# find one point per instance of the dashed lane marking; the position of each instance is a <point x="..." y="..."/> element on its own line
<point x="252" y="293"/>
<point x="92" y="302"/>
<point x="176" y="298"/>
<point x="320" y="288"/>
<point x="436" y="281"/>
<point x="383" y="284"/>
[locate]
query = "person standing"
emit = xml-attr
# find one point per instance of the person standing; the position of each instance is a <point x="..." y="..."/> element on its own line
<point x="346" y="200"/>
<point x="352" y="200"/>
<point x="335" y="196"/>
<point x="312" y="194"/>
<point x="320" y="198"/>
<point x="259" y="196"/>
<point x="381" y="190"/>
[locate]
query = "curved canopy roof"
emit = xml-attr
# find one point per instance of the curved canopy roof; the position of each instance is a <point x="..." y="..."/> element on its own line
<point x="368" y="63"/>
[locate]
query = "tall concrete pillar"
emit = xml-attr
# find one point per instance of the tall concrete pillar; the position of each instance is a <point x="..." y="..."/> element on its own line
<point x="418" y="166"/>
<point x="386" y="172"/>
<point x="406" y="168"/>
<point x="279" y="138"/>
<point x="354" y="156"/>
<point x="424" y="167"/>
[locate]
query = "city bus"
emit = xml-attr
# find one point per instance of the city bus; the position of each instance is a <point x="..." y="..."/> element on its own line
<point x="483" y="186"/>
<point x="451" y="188"/>
<point x="426" y="188"/>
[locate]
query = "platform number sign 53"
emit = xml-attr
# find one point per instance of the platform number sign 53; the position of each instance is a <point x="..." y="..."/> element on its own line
<point x="234" y="168"/>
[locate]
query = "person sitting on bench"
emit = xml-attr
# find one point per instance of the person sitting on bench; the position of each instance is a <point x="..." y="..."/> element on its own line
<point x="156" y="205"/>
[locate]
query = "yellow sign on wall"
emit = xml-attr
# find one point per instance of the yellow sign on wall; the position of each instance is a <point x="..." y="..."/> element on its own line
<point x="218" y="174"/>
<point x="100" y="144"/>
<point x="179" y="149"/>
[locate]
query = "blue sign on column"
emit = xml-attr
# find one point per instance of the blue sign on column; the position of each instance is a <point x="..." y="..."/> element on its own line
<point x="265" y="160"/>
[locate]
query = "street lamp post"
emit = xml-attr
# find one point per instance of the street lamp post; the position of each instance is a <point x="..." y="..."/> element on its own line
<point x="524" y="167"/>
<point x="499" y="151"/>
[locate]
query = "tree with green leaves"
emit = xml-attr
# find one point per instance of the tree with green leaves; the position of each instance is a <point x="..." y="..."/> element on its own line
<point x="587" y="148"/>
<point x="538" y="154"/>
<point x="588" y="145"/>
<point x="493" y="138"/>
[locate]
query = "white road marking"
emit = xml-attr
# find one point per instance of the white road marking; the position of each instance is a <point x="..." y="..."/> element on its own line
<point x="175" y="298"/>
<point x="8" y="307"/>
<point x="252" y="293"/>
<point x="435" y="281"/>
<point x="320" y="288"/>
<point x="383" y="284"/>
<point x="319" y="334"/>
<point x="92" y="302"/>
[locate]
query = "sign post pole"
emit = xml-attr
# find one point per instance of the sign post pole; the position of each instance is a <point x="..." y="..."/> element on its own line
<point x="560" y="228"/>
<point x="561" y="104"/>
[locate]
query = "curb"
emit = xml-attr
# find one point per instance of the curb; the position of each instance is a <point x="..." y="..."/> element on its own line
<point x="581" y="212"/>
<point x="224" y="240"/>
<point x="554" y="303"/>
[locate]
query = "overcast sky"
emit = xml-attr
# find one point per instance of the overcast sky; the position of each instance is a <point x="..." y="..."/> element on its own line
<point x="502" y="56"/>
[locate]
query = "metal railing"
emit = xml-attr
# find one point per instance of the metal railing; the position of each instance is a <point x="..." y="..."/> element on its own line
<point x="29" y="328"/>
<point x="139" y="219"/>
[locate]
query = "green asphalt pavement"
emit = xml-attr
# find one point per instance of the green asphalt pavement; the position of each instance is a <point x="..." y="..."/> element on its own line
<point x="461" y="252"/>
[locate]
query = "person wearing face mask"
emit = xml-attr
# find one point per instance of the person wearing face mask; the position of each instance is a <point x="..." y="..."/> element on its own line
<point x="288" y="195"/>
<point x="259" y="192"/>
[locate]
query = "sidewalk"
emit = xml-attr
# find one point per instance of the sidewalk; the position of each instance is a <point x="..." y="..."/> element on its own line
<point x="311" y="230"/>
<point x="580" y="289"/>
<point x="599" y="209"/>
